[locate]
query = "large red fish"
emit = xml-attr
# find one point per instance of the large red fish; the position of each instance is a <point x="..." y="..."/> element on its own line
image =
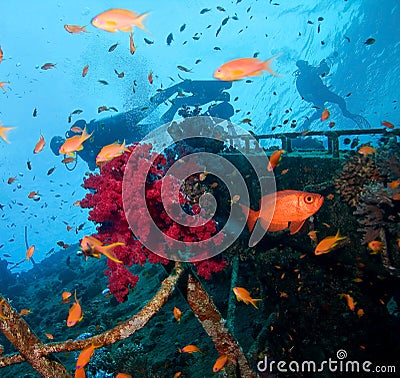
<point x="292" y="208"/>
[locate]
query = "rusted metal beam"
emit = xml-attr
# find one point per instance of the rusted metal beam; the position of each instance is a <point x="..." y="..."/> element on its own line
<point x="34" y="351"/>
<point x="17" y="331"/>
<point x="213" y="323"/>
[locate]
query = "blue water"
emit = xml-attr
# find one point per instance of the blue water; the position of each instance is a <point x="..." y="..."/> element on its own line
<point x="34" y="36"/>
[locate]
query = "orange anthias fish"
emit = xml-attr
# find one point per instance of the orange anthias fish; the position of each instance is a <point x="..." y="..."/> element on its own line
<point x="313" y="235"/>
<point x="238" y="69"/>
<point x="68" y="160"/>
<point x="177" y="314"/>
<point x="94" y="247"/>
<point x="24" y="312"/>
<point x="110" y="152"/>
<point x="243" y="295"/>
<point x="150" y="77"/>
<point x="275" y="159"/>
<point x="123" y="375"/>
<point x="350" y="301"/>
<point x="29" y="252"/>
<point x="65" y="296"/>
<point x="132" y="47"/>
<point x="80" y="373"/>
<point x="190" y="349"/>
<point x="327" y="244"/>
<point x="75" y="314"/>
<point x="75" y="29"/>
<point x="220" y="363"/>
<point x="375" y="246"/>
<point x="85" y="70"/>
<point x="39" y="145"/>
<point x="49" y="336"/>
<point x="387" y="124"/>
<point x="84" y="356"/>
<point x="117" y="19"/>
<point x="33" y="194"/>
<point x="394" y="184"/>
<point x="325" y="115"/>
<point x="291" y="206"/>
<point x="74" y="143"/>
<point x="366" y="150"/>
<point x="3" y="84"/>
<point x="48" y="66"/>
<point x="11" y="180"/>
<point x="76" y="129"/>
<point x="4" y="132"/>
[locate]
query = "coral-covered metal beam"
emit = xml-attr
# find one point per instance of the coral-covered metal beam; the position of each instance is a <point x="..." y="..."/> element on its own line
<point x="213" y="323"/>
<point x="38" y="350"/>
<point x="21" y="336"/>
<point x="385" y="256"/>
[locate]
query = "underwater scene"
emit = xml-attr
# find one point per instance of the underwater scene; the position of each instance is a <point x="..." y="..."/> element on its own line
<point x="199" y="189"/>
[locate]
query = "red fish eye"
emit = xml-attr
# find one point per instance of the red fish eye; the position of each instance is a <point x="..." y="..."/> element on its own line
<point x="309" y="199"/>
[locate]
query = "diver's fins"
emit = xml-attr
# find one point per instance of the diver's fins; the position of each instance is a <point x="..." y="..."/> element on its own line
<point x="361" y="122"/>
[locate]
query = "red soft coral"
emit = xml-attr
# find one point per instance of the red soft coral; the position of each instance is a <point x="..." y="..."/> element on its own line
<point x="107" y="209"/>
<point x="206" y="267"/>
<point x="120" y="280"/>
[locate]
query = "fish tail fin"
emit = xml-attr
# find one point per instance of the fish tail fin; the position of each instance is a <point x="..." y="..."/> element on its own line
<point x="4" y="132"/>
<point x="107" y="250"/>
<point x="139" y="21"/>
<point x="338" y="237"/>
<point x="253" y="302"/>
<point x="252" y="217"/>
<point x="123" y="148"/>
<point x="85" y="135"/>
<point x="266" y="65"/>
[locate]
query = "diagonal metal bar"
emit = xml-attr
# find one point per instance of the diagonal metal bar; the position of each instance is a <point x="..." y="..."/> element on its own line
<point x="21" y="336"/>
<point x="38" y="351"/>
<point x="213" y="323"/>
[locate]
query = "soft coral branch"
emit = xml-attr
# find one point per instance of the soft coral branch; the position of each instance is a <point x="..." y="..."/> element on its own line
<point x="107" y="209"/>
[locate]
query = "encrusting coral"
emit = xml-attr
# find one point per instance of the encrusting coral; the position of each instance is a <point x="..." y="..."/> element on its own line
<point x="371" y="184"/>
<point x="358" y="172"/>
<point x="373" y="209"/>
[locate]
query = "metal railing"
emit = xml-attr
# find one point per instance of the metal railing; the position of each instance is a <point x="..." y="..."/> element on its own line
<point x="332" y="136"/>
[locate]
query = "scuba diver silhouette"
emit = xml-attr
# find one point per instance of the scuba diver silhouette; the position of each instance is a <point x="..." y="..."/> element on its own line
<point x="311" y="88"/>
<point x="125" y="126"/>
